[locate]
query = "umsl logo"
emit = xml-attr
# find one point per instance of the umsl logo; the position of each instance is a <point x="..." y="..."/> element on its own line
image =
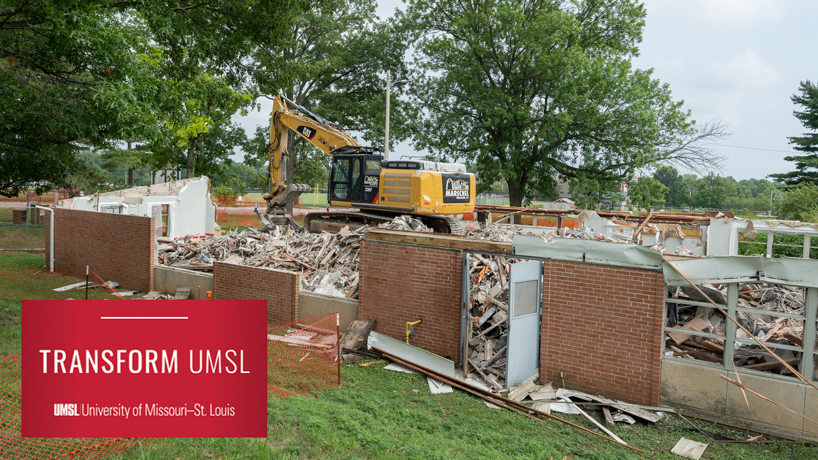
<point x="66" y="410"/>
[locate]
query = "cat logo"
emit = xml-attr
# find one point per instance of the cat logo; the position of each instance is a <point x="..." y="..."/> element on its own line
<point x="306" y="131"/>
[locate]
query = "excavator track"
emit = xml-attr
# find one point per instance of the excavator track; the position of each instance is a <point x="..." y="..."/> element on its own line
<point x="334" y="221"/>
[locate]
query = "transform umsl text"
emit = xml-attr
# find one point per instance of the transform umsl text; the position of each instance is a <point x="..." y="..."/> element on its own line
<point x="141" y="361"/>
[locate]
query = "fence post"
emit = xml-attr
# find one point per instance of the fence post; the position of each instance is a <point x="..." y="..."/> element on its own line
<point x="338" y="328"/>
<point x="28" y="216"/>
<point x="86" y="282"/>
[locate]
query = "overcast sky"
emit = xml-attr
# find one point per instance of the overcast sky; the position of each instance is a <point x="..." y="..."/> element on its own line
<point x="735" y="60"/>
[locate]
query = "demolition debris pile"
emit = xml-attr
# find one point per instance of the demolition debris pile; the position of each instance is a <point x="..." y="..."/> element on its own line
<point x="506" y="233"/>
<point x="488" y="334"/>
<point x="760" y="307"/>
<point x="328" y="263"/>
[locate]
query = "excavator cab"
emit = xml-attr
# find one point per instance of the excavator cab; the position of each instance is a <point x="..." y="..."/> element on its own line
<point x="354" y="176"/>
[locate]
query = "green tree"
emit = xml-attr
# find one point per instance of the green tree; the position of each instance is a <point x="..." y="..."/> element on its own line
<point x="646" y="192"/>
<point x="806" y="166"/>
<point x="711" y="191"/>
<point x="129" y="158"/>
<point x="73" y="75"/>
<point x="336" y="67"/>
<point x="68" y="80"/>
<point x="89" y="177"/>
<point x="200" y="134"/>
<point x="801" y="203"/>
<point x="239" y="171"/>
<point x="670" y="178"/>
<point x="532" y="90"/>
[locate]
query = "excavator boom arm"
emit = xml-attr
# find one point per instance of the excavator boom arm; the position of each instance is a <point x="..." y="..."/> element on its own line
<point x="322" y="134"/>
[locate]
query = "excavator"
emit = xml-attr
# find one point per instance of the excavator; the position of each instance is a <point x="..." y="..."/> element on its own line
<point x="375" y="190"/>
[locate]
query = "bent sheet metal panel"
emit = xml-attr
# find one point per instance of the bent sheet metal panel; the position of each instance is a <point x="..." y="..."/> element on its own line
<point x="411" y="354"/>
<point x="720" y="269"/>
<point x="597" y="252"/>
<point x="744" y="269"/>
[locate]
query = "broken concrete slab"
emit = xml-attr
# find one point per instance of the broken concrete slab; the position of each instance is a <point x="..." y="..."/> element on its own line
<point x="689" y="448"/>
<point x="543" y="392"/>
<point x="151" y="295"/>
<point x="542" y="406"/>
<point x="182" y="293"/>
<point x="437" y="387"/>
<point x="522" y="390"/>
<point x="354" y="337"/>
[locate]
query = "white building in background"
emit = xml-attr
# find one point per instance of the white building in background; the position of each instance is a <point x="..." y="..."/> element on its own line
<point x="180" y="208"/>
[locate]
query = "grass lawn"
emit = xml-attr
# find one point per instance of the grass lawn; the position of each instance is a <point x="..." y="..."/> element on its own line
<point x="377" y="414"/>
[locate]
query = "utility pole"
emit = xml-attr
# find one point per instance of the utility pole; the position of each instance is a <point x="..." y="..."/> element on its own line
<point x="388" y="95"/>
<point x="388" y="92"/>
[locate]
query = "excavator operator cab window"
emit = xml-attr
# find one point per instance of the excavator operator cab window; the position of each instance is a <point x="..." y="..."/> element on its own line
<point x="347" y="178"/>
<point x="339" y="186"/>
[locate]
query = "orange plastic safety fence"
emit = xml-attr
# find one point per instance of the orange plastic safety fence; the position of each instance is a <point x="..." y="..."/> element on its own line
<point x="237" y="217"/>
<point x="15" y="446"/>
<point x="303" y="356"/>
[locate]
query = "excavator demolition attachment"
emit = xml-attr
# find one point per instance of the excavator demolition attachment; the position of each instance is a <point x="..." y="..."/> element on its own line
<point x="277" y="205"/>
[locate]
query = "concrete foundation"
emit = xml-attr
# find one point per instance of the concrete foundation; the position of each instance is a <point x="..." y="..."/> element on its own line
<point x="314" y="304"/>
<point x="699" y="387"/>
<point x="168" y="279"/>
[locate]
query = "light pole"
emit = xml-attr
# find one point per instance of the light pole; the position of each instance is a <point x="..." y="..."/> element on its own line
<point x="388" y="94"/>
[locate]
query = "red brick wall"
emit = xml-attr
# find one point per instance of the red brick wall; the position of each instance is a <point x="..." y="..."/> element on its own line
<point x="117" y="247"/>
<point x="402" y="282"/>
<point x="602" y="327"/>
<point x="280" y="289"/>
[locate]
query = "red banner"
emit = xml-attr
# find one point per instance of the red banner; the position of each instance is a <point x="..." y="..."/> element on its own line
<point x="115" y="368"/>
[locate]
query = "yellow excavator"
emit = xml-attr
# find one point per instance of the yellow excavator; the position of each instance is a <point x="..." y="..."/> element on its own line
<point x="375" y="190"/>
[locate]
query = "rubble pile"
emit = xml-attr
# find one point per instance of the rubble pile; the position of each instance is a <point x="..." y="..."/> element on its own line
<point x="765" y="300"/>
<point x="328" y="263"/>
<point x="505" y="234"/>
<point x="488" y="334"/>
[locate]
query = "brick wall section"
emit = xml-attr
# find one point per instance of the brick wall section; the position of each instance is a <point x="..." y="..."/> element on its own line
<point x="117" y="247"/>
<point x="402" y="282"/>
<point x="280" y="289"/>
<point x="602" y="327"/>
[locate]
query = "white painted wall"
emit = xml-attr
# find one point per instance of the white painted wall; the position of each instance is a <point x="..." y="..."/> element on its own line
<point x="190" y="211"/>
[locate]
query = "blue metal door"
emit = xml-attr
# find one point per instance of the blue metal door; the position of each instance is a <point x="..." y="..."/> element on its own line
<point x="525" y="311"/>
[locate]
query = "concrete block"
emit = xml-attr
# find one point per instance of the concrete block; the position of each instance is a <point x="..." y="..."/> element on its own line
<point x="693" y="385"/>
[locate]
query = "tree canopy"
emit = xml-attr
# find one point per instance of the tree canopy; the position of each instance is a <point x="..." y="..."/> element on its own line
<point x="529" y="91"/>
<point x="801" y="203"/>
<point x="718" y="192"/>
<point x="806" y="166"/>
<point x="77" y="74"/>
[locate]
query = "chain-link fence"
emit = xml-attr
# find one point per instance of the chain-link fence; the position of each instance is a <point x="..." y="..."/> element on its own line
<point x="22" y="227"/>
